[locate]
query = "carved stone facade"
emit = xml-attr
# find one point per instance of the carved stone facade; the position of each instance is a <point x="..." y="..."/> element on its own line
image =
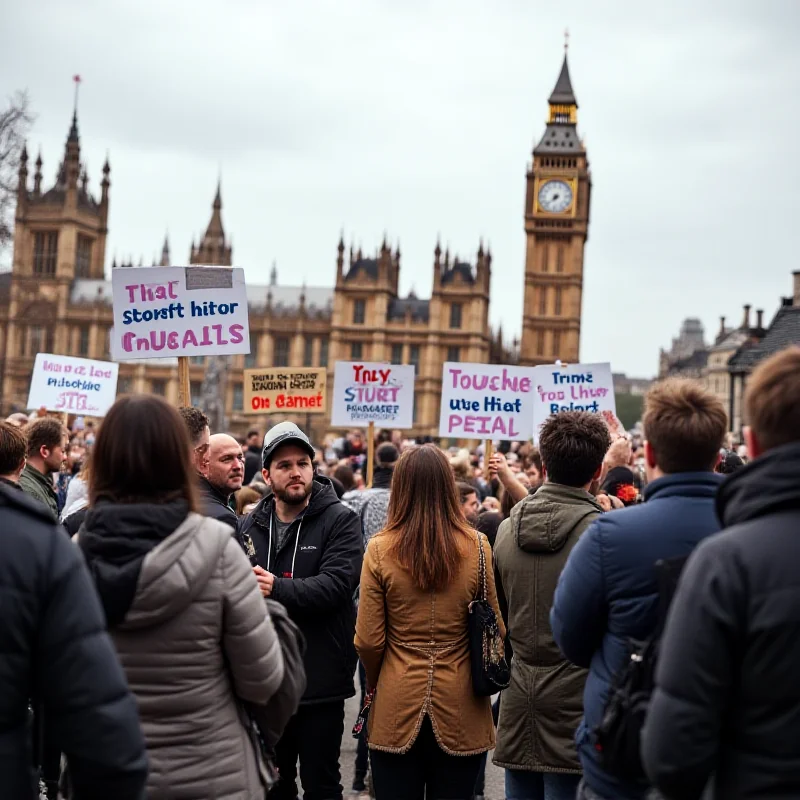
<point x="57" y="299"/>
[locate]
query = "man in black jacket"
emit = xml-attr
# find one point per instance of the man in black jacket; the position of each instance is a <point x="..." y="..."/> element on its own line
<point x="309" y="552"/>
<point x="727" y="700"/>
<point x="55" y="653"/>
<point x="222" y="479"/>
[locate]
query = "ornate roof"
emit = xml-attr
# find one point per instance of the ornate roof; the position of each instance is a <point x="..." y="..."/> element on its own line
<point x="783" y="332"/>
<point x="563" y="95"/>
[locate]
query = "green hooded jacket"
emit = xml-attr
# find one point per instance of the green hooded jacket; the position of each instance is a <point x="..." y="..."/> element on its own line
<point x="39" y="487"/>
<point x="542" y="707"/>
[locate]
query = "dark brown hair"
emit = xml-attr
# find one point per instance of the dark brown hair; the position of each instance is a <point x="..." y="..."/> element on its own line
<point x="685" y="425"/>
<point x="345" y="475"/>
<point x="196" y="422"/>
<point x="771" y="399"/>
<point x="44" y="432"/>
<point x="13" y="447"/>
<point x="573" y="445"/>
<point x="465" y="490"/>
<point x="245" y="497"/>
<point x="427" y="528"/>
<point x="142" y="454"/>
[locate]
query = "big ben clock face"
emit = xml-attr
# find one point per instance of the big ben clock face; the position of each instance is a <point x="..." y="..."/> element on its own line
<point x="555" y="196"/>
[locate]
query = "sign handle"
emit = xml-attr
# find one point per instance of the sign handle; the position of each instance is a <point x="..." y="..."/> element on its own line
<point x="488" y="452"/>
<point x="370" y="453"/>
<point x="65" y="419"/>
<point x="184" y="387"/>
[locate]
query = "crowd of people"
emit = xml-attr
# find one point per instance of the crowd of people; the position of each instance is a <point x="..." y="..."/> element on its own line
<point x="185" y="613"/>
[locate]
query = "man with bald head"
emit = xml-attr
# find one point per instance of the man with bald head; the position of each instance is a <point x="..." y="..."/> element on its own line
<point x="224" y="476"/>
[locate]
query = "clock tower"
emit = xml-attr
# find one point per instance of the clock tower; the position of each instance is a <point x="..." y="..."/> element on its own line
<point x="556" y="226"/>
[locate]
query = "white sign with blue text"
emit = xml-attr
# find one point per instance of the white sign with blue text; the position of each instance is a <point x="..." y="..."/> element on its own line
<point x="572" y="387"/>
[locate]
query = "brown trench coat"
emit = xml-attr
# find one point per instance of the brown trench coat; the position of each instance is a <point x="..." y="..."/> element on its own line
<point x="415" y="648"/>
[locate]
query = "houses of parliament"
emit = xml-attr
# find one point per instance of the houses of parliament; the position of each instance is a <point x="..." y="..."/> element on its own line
<point x="57" y="298"/>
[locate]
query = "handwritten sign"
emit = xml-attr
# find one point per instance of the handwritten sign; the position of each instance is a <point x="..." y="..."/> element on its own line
<point x="281" y="389"/>
<point x="486" y="401"/>
<point x="369" y="392"/>
<point x="73" y="385"/>
<point x="575" y="387"/>
<point x="161" y="312"/>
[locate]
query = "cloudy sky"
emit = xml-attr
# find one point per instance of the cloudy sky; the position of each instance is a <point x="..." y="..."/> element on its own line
<point x="417" y="118"/>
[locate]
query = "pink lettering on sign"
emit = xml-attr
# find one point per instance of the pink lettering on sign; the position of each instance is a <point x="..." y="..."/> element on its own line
<point x="504" y="427"/>
<point x="495" y="383"/>
<point x="149" y="292"/>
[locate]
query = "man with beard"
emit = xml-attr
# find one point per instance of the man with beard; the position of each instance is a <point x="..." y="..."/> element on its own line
<point x="223" y="478"/>
<point x="470" y="504"/>
<point x="308" y="553"/>
<point x="47" y="443"/>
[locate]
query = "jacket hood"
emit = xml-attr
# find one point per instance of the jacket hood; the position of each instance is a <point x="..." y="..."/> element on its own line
<point x="175" y="571"/>
<point x="323" y="496"/>
<point x="543" y="522"/>
<point x="116" y="538"/>
<point x="767" y="485"/>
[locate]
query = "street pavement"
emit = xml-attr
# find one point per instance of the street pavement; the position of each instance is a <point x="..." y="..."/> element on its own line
<point x="494" y="775"/>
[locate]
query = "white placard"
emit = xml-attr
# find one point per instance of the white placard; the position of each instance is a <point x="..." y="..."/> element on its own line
<point x="73" y="385"/>
<point x="161" y="312"/>
<point x="486" y="401"/>
<point x="574" y="387"/>
<point x="365" y="392"/>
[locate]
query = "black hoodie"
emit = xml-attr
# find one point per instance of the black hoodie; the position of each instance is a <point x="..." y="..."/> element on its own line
<point x="728" y="695"/>
<point x="317" y="570"/>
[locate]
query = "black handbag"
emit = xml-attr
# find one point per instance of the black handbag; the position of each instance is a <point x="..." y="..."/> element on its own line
<point x="490" y="672"/>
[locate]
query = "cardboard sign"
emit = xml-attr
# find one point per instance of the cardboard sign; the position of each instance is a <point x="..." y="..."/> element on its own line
<point x="73" y="385"/>
<point x="285" y="390"/>
<point x="486" y="401"/>
<point x="161" y="312"/>
<point x="366" y="392"/>
<point x="575" y="387"/>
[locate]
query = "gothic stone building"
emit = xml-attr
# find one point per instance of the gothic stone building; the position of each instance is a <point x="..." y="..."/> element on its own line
<point x="57" y="299"/>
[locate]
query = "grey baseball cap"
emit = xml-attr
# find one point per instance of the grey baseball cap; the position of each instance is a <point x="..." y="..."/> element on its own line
<point x="284" y="433"/>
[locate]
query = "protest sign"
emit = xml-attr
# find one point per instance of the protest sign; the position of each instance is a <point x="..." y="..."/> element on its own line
<point x="281" y="389"/>
<point x="486" y="401"/>
<point x="572" y="387"/>
<point x="369" y="392"/>
<point x="73" y="385"/>
<point x="162" y="312"/>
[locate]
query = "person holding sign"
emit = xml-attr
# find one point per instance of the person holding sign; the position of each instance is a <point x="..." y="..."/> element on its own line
<point x="308" y="553"/>
<point x="532" y="546"/>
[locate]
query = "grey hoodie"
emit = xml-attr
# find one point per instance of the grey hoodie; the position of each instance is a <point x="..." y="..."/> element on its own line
<point x="543" y="705"/>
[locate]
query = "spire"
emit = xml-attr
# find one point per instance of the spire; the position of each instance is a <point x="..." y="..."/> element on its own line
<point x="563" y="95"/>
<point x="273" y="275"/>
<point x="37" y="176"/>
<point x="218" y="196"/>
<point x="73" y="131"/>
<point x="165" y="259"/>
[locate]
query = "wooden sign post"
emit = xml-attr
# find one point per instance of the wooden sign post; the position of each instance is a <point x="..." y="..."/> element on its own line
<point x="488" y="452"/>
<point x="370" y="453"/>
<point x="184" y="387"/>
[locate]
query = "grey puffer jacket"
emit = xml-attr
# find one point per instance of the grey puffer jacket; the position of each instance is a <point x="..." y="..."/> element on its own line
<point x="196" y="637"/>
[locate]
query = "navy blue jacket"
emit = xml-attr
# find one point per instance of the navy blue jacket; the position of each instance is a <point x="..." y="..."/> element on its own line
<point x="608" y="594"/>
<point x="54" y="651"/>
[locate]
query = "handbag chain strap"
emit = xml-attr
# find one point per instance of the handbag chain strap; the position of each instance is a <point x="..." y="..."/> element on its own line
<point x="482" y="593"/>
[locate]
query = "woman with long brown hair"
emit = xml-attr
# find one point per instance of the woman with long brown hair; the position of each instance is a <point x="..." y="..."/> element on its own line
<point x="427" y="728"/>
<point x="182" y="606"/>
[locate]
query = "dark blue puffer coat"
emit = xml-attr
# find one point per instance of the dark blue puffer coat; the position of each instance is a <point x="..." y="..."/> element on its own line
<point x="608" y="594"/>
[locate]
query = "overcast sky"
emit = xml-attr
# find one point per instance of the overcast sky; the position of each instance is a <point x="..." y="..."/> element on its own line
<point x="418" y="118"/>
